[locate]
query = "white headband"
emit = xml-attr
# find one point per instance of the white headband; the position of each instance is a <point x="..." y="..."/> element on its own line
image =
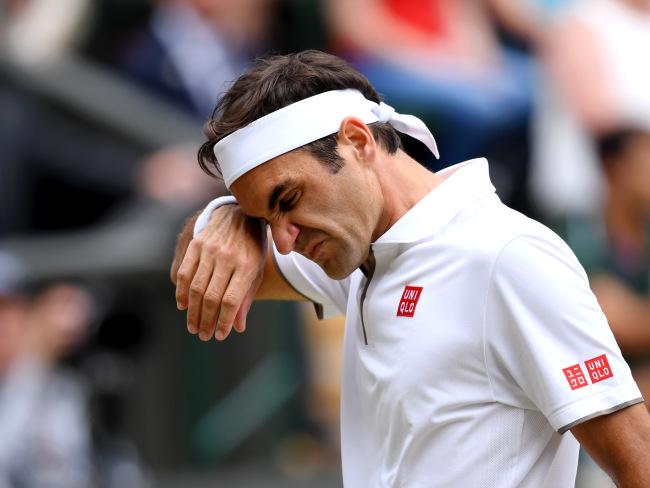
<point x="303" y="122"/>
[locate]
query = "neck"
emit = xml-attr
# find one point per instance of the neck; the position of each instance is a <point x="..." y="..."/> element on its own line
<point x="404" y="182"/>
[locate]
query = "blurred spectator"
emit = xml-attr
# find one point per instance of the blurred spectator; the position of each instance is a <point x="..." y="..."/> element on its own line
<point x="596" y="77"/>
<point x="42" y="183"/>
<point x="191" y="49"/>
<point x="523" y="23"/>
<point x="44" y="425"/>
<point x="441" y="60"/>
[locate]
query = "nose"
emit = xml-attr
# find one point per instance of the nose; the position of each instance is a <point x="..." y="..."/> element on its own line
<point x="284" y="235"/>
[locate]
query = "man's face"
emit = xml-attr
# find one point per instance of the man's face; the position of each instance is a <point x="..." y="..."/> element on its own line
<point x="327" y="217"/>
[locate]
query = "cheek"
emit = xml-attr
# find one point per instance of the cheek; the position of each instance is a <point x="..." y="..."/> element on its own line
<point x="362" y="205"/>
<point x="347" y="211"/>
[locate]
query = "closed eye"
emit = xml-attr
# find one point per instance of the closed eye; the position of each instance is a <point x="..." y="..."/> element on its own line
<point x="287" y="204"/>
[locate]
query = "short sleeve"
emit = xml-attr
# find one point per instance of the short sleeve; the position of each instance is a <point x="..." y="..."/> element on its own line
<point x="330" y="296"/>
<point x="548" y="343"/>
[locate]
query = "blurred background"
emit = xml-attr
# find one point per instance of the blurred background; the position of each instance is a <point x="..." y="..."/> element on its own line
<point x="101" y="108"/>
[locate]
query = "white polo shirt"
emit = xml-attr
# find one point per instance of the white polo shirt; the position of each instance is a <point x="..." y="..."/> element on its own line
<point x="478" y="343"/>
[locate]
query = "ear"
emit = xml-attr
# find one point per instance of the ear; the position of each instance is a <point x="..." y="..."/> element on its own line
<point x="355" y="136"/>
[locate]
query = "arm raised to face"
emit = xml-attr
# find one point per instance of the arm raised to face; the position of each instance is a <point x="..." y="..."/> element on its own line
<point x="220" y="271"/>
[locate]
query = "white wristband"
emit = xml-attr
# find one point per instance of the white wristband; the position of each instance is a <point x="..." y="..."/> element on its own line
<point x="204" y="218"/>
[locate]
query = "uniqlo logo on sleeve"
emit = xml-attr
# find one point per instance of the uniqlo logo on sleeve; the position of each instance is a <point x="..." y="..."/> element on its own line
<point x="575" y="376"/>
<point x="598" y="368"/>
<point x="409" y="301"/>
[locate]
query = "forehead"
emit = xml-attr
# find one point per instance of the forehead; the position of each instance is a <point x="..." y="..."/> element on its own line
<point x="254" y="188"/>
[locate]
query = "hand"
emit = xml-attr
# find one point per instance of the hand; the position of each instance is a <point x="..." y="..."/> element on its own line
<point x="218" y="272"/>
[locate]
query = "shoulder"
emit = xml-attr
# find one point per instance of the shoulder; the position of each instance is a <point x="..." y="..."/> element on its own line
<point x="483" y="237"/>
<point x="483" y="230"/>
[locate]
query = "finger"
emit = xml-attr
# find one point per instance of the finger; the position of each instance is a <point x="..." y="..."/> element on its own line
<point x="240" y="319"/>
<point x="185" y="275"/>
<point x="182" y="243"/>
<point x="212" y="302"/>
<point x="173" y="271"/>
<point x="230" y="303"/>
<point x="197" y="290"/>
<point x="242" y="313"/>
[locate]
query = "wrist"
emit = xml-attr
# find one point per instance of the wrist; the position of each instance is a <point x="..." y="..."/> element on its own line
<point x="204" y="217"/>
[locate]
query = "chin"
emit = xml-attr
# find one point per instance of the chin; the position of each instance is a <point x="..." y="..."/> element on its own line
<point x="337" y="271"/>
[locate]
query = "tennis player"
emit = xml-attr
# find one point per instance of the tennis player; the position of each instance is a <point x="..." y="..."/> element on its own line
<point x="475" y="353"/>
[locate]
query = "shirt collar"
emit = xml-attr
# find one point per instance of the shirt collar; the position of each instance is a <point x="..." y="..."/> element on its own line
<point x="463" y="182"/>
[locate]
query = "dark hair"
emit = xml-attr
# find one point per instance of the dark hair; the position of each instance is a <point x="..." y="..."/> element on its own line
<point x="277" y="81"/>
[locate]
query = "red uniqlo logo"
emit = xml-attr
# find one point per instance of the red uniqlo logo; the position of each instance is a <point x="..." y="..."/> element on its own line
<point x="598" y="368"/>
<point x="409" y="300"/>
<point x="575" y="376"/>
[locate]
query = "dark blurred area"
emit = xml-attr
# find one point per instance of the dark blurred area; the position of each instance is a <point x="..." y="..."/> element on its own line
<point x="101" y="110"/>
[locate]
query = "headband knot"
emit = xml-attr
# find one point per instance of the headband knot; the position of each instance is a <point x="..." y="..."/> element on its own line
<point x="384" y="112"/>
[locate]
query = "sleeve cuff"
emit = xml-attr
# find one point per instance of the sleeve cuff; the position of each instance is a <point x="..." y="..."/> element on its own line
<point x="602" y="403"/>
<point x="205" y="215"/>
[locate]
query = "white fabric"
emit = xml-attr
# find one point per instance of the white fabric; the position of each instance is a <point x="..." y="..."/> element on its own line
<point x="303" y="122"/>
<point x="470" y="391"/>
<point x="203" y="219"/>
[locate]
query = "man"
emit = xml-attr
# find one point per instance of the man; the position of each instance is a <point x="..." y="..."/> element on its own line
<point x="473" y="343"/>
<point x="44" y="422"/>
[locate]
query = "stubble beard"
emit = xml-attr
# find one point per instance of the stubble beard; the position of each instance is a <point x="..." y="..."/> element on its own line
<point x="343" y="263"/>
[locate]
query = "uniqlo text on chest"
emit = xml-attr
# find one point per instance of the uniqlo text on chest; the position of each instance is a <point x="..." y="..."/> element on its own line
<point x="409" y="301"/>
<point x="598" y="368"/>
<point x="575" y="376"/>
